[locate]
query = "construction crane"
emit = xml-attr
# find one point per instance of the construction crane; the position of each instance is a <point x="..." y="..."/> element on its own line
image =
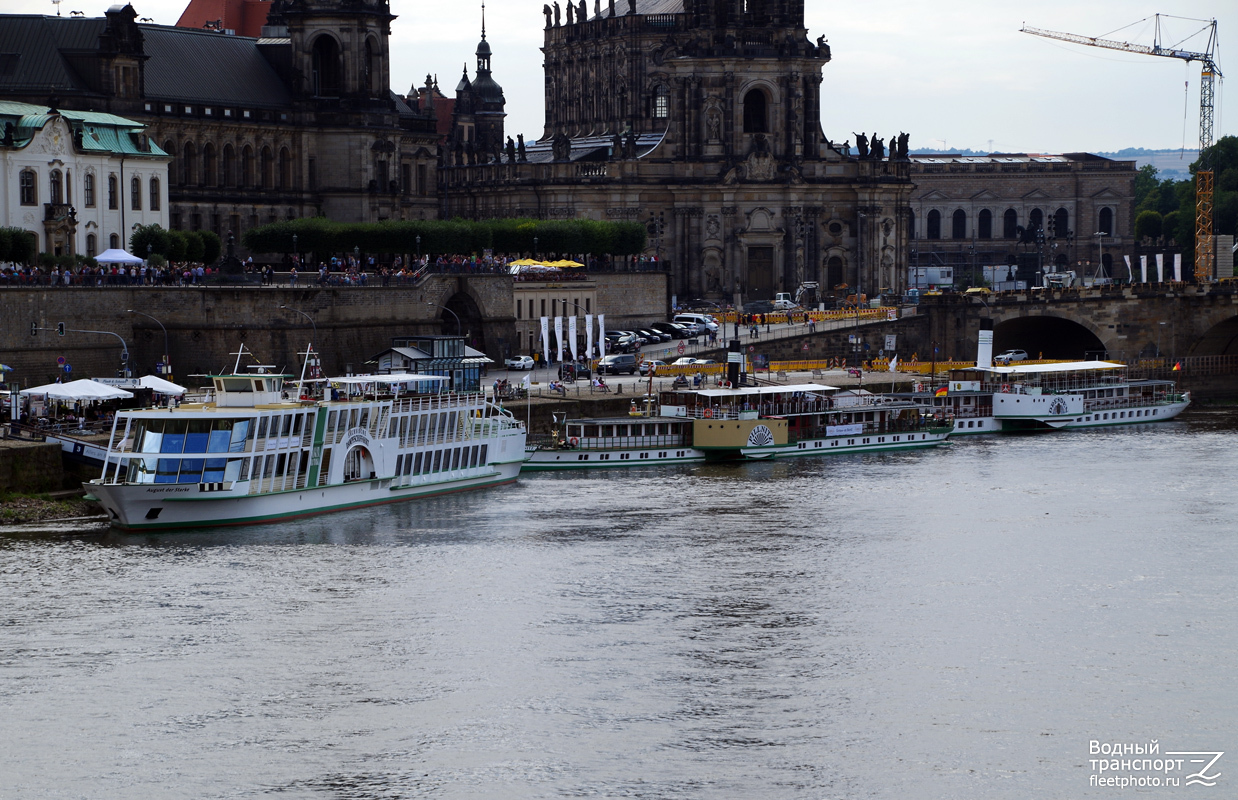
<point x="1205" y="242"/>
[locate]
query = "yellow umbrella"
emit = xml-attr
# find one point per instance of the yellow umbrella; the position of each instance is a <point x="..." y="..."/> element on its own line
<point x="568" y="264"/>
<point x="523" y="262"/>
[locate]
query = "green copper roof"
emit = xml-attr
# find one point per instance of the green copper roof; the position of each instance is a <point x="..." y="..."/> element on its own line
<point x="99" y="132"/>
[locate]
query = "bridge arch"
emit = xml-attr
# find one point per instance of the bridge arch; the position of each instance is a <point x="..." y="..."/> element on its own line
<point x="464" y="306"/>
<point x="1219" y="340"/>
<point x="1049" y="337"/>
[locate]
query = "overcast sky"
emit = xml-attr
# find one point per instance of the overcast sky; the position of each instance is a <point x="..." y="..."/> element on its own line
<point x="952" y="74"/>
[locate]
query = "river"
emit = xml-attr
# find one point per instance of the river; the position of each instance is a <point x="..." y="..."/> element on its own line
<point x="959" y="622"/>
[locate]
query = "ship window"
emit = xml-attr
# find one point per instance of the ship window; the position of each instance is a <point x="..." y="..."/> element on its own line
<point x="325" y="469"/>
<point x="213" y="472"/>
<point x="411" y="466"/>
<point x="191" y="470"/>
<point x="281" y="463"/>
<point x="399" y="465"/>
<point x="590" y="431"/>
<point x="235" y="385"/>
<point x="240" y="430"/>
<point x="484" y="448"/>
<point x="167" y="470"/>
<point x="235" y="471"/>
<point x="365" y="417"/>
<point x="438" y="460"/>
<point x="262" y="428"/>
<point x="455" y="459"/>
<point x="473" y="457"/>
<point x="332" y="418"/>
<point x="608" y="430"/>
<point x="296" y="424"/>
<point x="286" y="425"/>
<point x="352" y="417"/>
<point x="173" y="441"/>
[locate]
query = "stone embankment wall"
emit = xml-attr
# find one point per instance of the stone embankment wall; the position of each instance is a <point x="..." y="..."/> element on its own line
<point x="30" y="467"/>
<point x="205" y="325"/>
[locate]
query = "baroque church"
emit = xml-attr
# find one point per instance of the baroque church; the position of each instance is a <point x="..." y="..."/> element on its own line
<point x="700" y="118"/>
<point x="297" y="121"/>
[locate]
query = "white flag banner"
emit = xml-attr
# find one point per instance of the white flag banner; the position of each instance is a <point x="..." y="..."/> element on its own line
<point x="1160" y="267"/>
<point x="1143" y="268"/>
<point x="559" y="338"/>
<point x="545" y="340"/>
<point x="1177" y="266"/>
<point x="588" y="336"/>
<point x="571" y="336"/>
<point x="894" y="364"/>
<point x="1130" y="274"/>
<point x="601" y="335"/>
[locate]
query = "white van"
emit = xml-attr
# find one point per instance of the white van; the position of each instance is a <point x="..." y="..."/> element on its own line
<point x="699" y="322"/>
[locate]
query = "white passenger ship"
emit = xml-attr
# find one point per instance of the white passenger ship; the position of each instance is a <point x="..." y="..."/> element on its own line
<point x="1050" y="396"/>
<point x="641" y="439"/>
<point x="248" y="455"/>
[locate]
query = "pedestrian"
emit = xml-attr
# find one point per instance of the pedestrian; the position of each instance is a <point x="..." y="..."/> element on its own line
<point x="292" y="276"/>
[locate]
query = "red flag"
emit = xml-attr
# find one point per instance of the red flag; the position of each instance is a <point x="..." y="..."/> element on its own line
<point x="1178" y="367"/>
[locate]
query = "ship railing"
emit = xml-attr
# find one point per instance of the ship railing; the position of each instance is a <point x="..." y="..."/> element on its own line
<point x="610" y="442"/>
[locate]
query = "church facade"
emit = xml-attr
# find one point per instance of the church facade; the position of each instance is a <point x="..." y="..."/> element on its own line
<point x="701" y="119"/>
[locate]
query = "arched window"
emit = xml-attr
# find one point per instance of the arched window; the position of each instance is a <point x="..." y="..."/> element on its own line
<point x="1106" y="221"/>
<point x="156" y="199"/>
<point x="247" y="167"/>
<point x="189" y="156"/>
<point x="113" y="193"/>
<point x="985" y="224"/>
<point x="1061" y="223"/>
<point x="208" y="164"/>
<point x="661" y="103"/>
<point x="1036" y="219"/>
<point x="135" y="193"/>
<point x="1106" y="262"/>
<point x="958" y="225"/>
<point x="227" y="166"/>
<point x="92" y="245"/>
<point x="833" y="272"/>
<point x="934" y="225"/>
<point x="285" y="168"/>
<point x="113" y="241"/>
<point x="754" y="112"/>
<point x="28" y="182"/>
<point x="55" y="186"/>
<point x="371" y="67"/>
<point x="267" y="168"/>
<point x="169" y="147"/>
<point x="88" y="189"/>
<point x="1010" y="224"/>
<point x="325" y="58"/>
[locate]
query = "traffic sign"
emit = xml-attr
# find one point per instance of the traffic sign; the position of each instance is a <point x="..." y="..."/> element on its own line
<point x="60" y="361"/>
<point x="68" y="367"/>
<point x="752" y="348"/>
<point x="681" y="348"/>
<point x="805" y="347"/>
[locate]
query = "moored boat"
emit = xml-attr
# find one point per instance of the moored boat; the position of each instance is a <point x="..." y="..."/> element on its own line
<point x="249" y="455"/>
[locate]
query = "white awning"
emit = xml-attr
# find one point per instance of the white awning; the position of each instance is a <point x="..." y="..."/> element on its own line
<point x="1067" y="366"/>
<point x="115" y="256"/>
<point x="85" y="390"/>
<point x="157" y="384"/>
<point x="755" y="390"/>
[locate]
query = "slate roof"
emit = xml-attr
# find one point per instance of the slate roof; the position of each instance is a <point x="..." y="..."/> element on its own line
<point x="206" y="67"/>
<point x="32" y="59"/>
<point x="642" y="7"/>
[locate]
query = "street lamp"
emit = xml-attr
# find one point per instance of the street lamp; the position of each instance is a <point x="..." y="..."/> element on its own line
<point x="356" y="255"/>
<point x="418" y="239"/>
<point x="534" y="248"/>
<point x="459" y="328"/>
<point x="167" y="366"/>
<point x="1100" y="255"/>
<point x="307" y="316"/>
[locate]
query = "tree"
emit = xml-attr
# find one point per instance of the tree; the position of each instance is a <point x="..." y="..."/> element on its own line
<point x="24" y="247"/>
<point x="148" y="239"/>
<point x="1148" y="225"/>
<point x="178" y="245"/>
<point x="1171" y="226"/>
<point x="1145" y="183"/>
<point x="195" y="248"/>
<point x="213" y="247"/>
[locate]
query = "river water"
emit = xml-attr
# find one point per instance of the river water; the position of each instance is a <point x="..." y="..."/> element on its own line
<point x="953" y="623"/>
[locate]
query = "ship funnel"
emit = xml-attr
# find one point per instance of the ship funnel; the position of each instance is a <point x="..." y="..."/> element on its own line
<point x="984" y="351"/>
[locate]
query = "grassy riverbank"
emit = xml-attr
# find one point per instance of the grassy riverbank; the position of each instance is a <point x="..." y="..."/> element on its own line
<point x="19" y="508"/>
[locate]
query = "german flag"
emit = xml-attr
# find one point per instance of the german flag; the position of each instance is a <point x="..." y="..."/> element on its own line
<point x="942" y="392"/>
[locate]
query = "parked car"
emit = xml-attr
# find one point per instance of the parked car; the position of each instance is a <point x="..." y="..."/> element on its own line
<point x="620" y="341"/>
<point x="672" y="329"/>
<point x="655" y="336"/>
<point x="620" y="362"/>
<point x="685" y="361"/>
<point x="704" y="321"/>
<point x="642" y="337"/>
<point x="575" y="372"/>
<point x="1011" y="355"/>
<point x="645" y="366"/>
<point x="520" y="362"/>
<point x="759" y="307"/>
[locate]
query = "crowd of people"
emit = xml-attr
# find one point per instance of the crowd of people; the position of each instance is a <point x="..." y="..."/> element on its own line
<point x="187" y="274"/>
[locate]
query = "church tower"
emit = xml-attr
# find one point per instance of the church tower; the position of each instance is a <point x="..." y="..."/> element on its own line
<point x="340" y="54"/>
<point x="480" y="109"/>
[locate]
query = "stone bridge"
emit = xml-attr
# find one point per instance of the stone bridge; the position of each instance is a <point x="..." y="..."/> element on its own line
<point x="1121" y="323"/>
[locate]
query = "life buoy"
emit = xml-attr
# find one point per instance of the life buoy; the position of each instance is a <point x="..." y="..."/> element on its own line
<point x="1005" y="388"/>
<point x="573" y="441"/>
<point x="709" y="413"/>
<point x="726" y="384"/>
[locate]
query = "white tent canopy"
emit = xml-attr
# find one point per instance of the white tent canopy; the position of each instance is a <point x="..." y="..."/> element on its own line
<point x="115" y="256"/>
<point x="84" y="390"/>
<point x="159" y="385"/>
